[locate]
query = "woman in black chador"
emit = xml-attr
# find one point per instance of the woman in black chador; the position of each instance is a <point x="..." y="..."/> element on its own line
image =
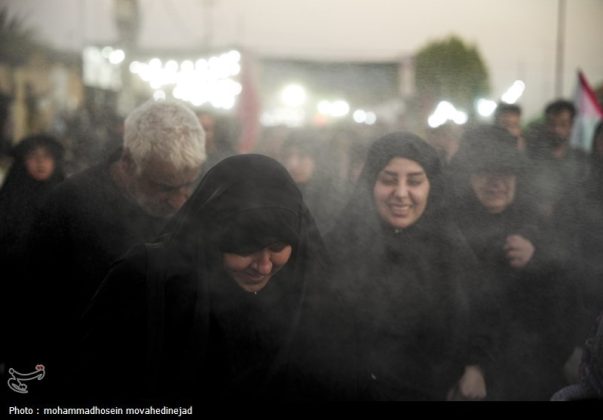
<point x="231" y="304"/>
<point x="528" y="302"/>
<point x="401" y="262"/>
<point x="37" y="167"/>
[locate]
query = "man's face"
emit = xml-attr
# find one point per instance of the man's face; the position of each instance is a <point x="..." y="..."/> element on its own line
<point x="560" y="124"/>
<point x="160" y="189"/>
<point x="511" y="122"/>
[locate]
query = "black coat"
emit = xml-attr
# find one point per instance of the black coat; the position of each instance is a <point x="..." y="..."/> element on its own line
<point x="529" y="313"/>
<point x="86" y="224"/>
<point x="21" y="200"/>
<point x="406" y="286"/>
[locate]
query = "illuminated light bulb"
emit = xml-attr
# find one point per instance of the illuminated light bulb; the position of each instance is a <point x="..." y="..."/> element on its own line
<point x="172" y="66"/>
<point x="234" y="55"/>
<point x="293" y="95"/>
<point x="371" y="118"/>
<point x="514" y="92"/>
<point x="460" y="117"/>
<point x="340" y="108"/>
<point x="135" y="67"/>
<point x="359" y="116"/>
<point x="117" y="56"/>
<point x="155" y="63"/>
<point x="324" y="107"/>
<point x="485" y="107"/>
<point x="187" y="66"/>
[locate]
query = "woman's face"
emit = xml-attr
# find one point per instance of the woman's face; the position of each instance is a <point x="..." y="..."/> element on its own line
<point x="401" y="192"/>
<point x="253" y="271"/>
<point x="495" y="191"/>
<point x="39" y="164"/>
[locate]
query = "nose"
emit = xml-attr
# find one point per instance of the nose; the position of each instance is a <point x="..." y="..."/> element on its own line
<point x="401" y="190"/>
<point x="263" y="263"/>
<point x="496" y="181"/>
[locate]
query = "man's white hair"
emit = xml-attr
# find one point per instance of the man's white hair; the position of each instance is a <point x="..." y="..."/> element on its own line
<point x="165" y="129"/>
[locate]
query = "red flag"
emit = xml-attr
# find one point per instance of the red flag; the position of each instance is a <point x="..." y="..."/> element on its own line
<point x="588" y="114"/>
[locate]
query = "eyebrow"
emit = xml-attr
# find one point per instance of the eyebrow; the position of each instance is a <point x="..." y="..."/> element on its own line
<point x="390" y="173"/>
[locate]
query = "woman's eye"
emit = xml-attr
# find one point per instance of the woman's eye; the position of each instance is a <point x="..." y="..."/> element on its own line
<point x="389" y="181"/>
<point x="415" y="181"/>
<point x="278" y="246"/>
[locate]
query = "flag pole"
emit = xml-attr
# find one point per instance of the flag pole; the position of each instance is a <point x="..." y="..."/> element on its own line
<point x="560" y="49"/>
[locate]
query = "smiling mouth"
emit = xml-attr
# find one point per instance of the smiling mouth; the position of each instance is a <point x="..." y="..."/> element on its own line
<point x="400" y="209"/>
<point x="254" y="277"/>
<point x="495" y="194"/>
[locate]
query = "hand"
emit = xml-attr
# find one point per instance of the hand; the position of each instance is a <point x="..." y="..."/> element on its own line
<point x="518" y="250"/>
<point x="472" y="385"/>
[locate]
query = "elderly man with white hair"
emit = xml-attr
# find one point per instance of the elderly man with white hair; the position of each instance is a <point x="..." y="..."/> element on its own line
<point x="95" y="216"/>
<point x="162" y="155"/>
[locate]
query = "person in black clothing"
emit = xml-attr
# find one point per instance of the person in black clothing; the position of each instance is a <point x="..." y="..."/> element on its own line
<point x="527" y="301"/>
<point x="508" y="116"/>
<point x="558" y="171"/>
<point x="37" y="168"/>
<point x="589" y="232"/>
<point x="402" y="264"/>
<point x="583" y="231"/>
<point x="232" y="303"/>
<point x="94" y="217"/>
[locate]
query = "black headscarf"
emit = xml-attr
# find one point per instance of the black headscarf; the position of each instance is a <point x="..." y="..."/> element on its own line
<point x="18" y="182"/>
<point x="490" y="149"/>
<point x="360" y="219"/>
<point x="486" y="149"/>
<point x="244" y="204"/>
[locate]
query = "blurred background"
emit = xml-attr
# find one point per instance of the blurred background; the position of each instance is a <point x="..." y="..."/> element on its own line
<point x="75" y="68"/>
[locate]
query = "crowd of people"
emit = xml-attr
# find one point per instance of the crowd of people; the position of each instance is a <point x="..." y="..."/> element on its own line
<point x="325" y="266"/>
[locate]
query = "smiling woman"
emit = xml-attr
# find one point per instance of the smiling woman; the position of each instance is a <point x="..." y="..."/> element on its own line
<point x="253" y="271"/>
<point x="403" y="266"/>
<point x="232" y="303"/>
<point x="524" y="279"/>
